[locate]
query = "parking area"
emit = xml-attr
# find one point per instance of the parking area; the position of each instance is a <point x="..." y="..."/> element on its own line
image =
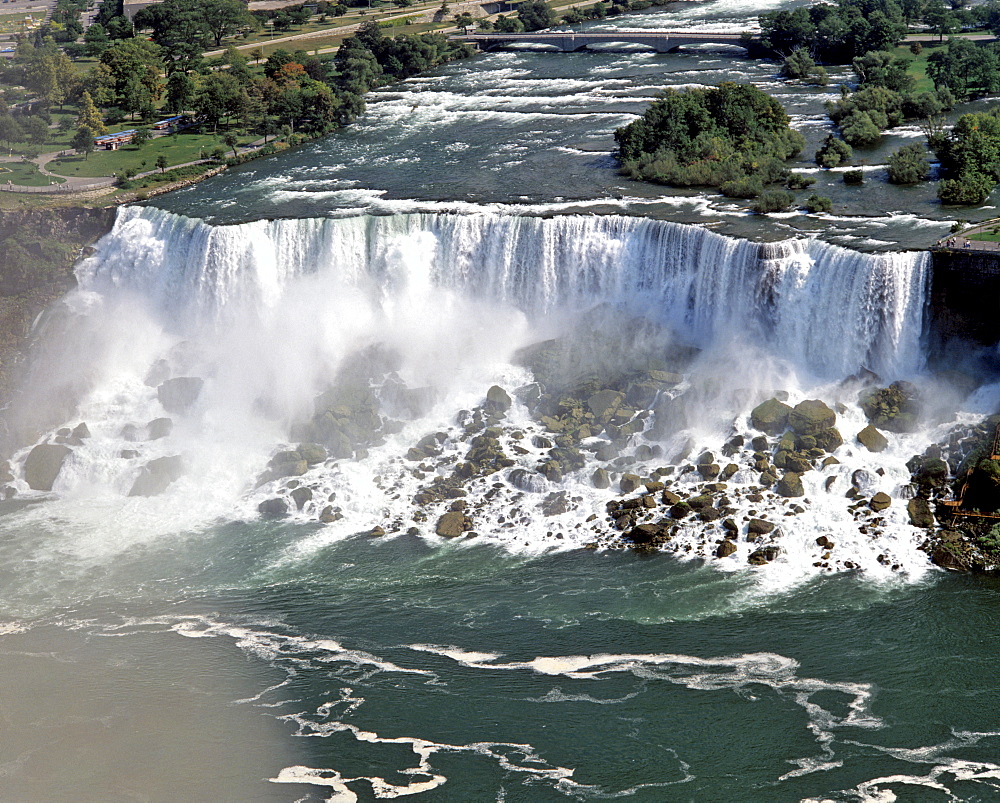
<point x="18" y="16"/>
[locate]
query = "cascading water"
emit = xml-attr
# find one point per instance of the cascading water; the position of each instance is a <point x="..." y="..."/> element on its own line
<point x="265" y="316"/>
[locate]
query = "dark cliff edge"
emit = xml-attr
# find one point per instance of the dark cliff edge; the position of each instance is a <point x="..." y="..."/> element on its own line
<point x="964" y="303"/>
<point x="38" y="249"/>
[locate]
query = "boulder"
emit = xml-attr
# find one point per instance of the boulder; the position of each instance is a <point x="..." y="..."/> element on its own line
<point x="760" y="526"/>
<point x="725" y="549"/>
<point x="604" y="404"/>
<point x="159" y="428"/>
<point x="920" y="513"/>
<point x="600" y="478"/>
<point x="644" y="533"/>
<point x="763" y="555"/>
<point x="453" y="524"/>
<point x="300" y="496"/>
<point x="43" y="464"/>
<point x="880" y="502"/>
<point x="497" y="401"/>
<point x="273" y="508"/>
<point x="872" y="439"/>
<point x="894" y="408"/>
<point x="6" y="475"/>
<point x="155" y="477"/>
<point x="312" y="453"/>
<point x="81" y="431"/>
<point x="178" y="394"/>
<point x="770" y="417"/>
<point x="790" y="485"/>
<point x="629" y="483"/>
<point x="829" y="439"/>
<point x="811" y="417"/>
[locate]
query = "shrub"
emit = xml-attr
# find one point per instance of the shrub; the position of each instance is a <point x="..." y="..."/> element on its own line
<point x="773" y="201"/>
<point x="854" y="177"/>
<point x="747" y="187"/>
<point x="798" y="181"/>
<point x="969" y="189"/>
<point x="833" y="152"/>
<point x="909" y="165"/>
<point x="818" y="203"/>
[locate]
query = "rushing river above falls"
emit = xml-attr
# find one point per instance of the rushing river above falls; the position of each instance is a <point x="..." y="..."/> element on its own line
<point x="270" y="390"/>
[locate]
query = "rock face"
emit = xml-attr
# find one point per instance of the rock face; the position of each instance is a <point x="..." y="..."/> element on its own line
<point x="43" y="465"/>
<point x="155" y="477"/>
<point x="178" y="394"/>
<point x="770" y="417"/>
<point x="920" y="513"/>
<point x="872" y="439"/>
<point x="811" y="417"/>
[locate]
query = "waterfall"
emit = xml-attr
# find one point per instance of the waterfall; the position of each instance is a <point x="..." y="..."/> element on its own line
<point x="828" y="310"/>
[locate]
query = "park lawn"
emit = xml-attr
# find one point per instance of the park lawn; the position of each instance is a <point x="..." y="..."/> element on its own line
<point x="985" y="236"/>
<point x="184" y="147"/>
<point x="918" y="64"/>
<point x="26" y="174"/>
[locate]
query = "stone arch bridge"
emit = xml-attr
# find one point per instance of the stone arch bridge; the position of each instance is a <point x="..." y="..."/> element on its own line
<point x="569" y="42"/>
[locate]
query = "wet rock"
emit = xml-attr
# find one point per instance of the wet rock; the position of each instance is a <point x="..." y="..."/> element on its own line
<point x="919" y="510"/>
<point x="179" y="394"/>
<point x="128" y="454"/>
<point x="730" y="470"/>
<point x="669" y="498"/>
<point x="709" y="514"/>
<point x="274" y="508"/>
<point x="701" y="501"/>
<point x="790" y="485"/>
<point x="680" y="510"/>
<point x="725" y="549"/>
<point x="527" y="481"/>
<point x="312" y="453"/>
<point x="880" y="502"/>
<point x="894" y="408"/>
<point x="374" y="532"/>
<point x="730" y="526"/>
<point x="157" y="475"/>
<point x="645" y="533"/>
<point x="159" y="428"/>
<point x="872" y="439"/>
<point x="43" y="465"/>
<point x="764" y="555"/>
<point x="81" y="431"/>
<point x="6" y="475"/>
<point x="540" y="442"/>
<point x="555" y="504"/>
<point x="300" y="496"/>
<point x="829" y="439"/>
<point x="604" y="404"/>
<point x="329" y="515"/>
<point x="770" y="417"/>
<point x="709" y="470"/>
<point x="811" y="417"/>
<point x="497" y="401"/>
<point x="824" y="542"/>
<point x="600" y="478"/>
<point x="864" y="481"/>
<point x="453" y="524"/>
<point x="629" y="483"/>
<point x="760" y="526"/>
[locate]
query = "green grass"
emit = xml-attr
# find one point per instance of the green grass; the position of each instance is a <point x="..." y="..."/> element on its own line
<point x="918" y="64"/>
<point x="26" y="174"/>
<point x="185" y="147"/>
<point x="985" y="237"/>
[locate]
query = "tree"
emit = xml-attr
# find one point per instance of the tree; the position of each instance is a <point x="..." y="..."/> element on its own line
<point x="89" y="117"/>
<point x="464" y="21"/>
<point x="161" y="162"/>
<point x="535" y="15"/>
<point x="226" y="18"/>
<point x="798" y="64"/>
<point x="833" y="152"/>
<point x="180" y="91"/>
<point x="97" y="40"/>
<point x="83" y="141"/>
<point x="34" y="130"/>
<point x="142" y="135"/>
<point x="909" y="165"/>
<point x="10" y="131"/>
<point x="218" y="97"/>
<point x="940" y="19"/>
<point x="508" y="24"/>
<point x="231" y="141"/>
<point x="878" y="68"/>
<point x="818" y="203"/>
<point x="967" y="69"/>
<point x="859" y="128"/>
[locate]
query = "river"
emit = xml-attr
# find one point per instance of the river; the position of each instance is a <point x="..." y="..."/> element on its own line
<point x="181" y="646"/>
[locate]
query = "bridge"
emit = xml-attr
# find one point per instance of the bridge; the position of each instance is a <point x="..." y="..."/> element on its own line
<point x="570" y="41"/>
